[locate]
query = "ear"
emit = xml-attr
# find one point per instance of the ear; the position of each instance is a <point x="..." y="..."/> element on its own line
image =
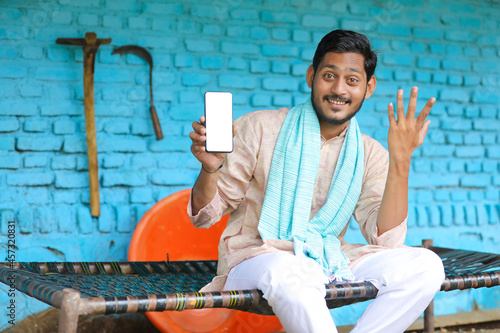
<point x="370" y="87"/>
<point x="310" y="76"/>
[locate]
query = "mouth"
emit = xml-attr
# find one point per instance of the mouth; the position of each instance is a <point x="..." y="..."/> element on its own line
<point x="336" y="101"/>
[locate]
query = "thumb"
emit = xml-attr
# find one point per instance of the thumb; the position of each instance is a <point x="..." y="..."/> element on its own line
<point x="423" y="131"/>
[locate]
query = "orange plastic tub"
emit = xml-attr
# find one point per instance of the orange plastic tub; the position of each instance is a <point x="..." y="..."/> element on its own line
<point x="166" y="230"/>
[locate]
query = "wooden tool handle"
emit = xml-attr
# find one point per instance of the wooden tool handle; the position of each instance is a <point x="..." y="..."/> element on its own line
<point x="90" y="45"/>
<point x="88" y="87"/>
<point x="93" y="168"/>
<point x="156" y="123"/>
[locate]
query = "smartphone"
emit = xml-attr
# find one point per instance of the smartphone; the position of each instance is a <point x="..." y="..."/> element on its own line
<point x="219" y="122"/>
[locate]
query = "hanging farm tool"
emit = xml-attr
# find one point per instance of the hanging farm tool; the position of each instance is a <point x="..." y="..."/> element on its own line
<point x="144" y="54"/>
<point x="90" y="46"/>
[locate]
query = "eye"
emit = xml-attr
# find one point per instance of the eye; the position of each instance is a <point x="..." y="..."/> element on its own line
<point x="352" y="80"/>
<point x="329" y="76"/>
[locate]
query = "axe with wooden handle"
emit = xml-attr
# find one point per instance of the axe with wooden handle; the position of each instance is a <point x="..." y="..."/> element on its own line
<point x="90" y="45"/>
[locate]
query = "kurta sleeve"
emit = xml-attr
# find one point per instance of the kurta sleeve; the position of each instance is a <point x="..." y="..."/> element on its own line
<point x="208" y="215"/>
<point x="234" y="177"/>
<point x="366" y="212"/>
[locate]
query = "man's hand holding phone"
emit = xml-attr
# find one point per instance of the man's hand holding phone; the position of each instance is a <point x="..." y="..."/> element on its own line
<point x="213" y="134"/>
<point x="210" y="161"/>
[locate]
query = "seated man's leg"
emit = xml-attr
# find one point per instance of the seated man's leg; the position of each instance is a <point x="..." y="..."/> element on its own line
<point x="407" y="279"/>
<point x="294" y="287"/>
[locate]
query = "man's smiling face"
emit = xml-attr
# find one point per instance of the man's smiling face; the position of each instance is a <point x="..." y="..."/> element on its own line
<point x="339" y="87"/>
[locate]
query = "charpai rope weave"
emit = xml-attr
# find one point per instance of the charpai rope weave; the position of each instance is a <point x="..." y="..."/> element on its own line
<point x="469" y="269"/>
<point x="119" y="287"/>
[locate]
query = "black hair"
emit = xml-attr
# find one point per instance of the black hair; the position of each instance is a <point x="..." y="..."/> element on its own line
<point x="343" y="41"/>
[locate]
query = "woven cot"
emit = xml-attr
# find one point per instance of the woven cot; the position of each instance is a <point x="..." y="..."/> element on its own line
<point x="119" y="287"/>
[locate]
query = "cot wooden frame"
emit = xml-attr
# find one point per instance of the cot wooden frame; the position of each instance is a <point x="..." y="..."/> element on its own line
<point x="91" y="288"/>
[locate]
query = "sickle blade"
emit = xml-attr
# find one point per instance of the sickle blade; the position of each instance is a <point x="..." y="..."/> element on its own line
<point x="144" y="54"/>
<point x="137" y="50"/>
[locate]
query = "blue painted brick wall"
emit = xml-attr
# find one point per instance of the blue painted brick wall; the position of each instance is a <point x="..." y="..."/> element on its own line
<point x="259" y="50"/>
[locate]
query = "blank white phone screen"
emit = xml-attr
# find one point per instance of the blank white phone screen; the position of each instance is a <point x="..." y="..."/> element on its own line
<point x="219" y="122"/>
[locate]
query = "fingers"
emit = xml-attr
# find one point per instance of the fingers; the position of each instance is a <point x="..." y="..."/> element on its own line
<point x="425" y="111"/>
<point x="412" y="105"/>
<point x="198" y="137"/>
<point x="199" y="130"/>
<point x="423" y="132"/>
<point x="198" y="144"/>
<point x="392" y="117"/>
<point x="199" y="126"/>
<point x="196" y="149"/>
<point x="235" y="130"/>
<point x="400" y="107"/>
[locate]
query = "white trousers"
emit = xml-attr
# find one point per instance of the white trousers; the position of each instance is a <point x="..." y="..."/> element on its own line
<point x="407" y="280"/>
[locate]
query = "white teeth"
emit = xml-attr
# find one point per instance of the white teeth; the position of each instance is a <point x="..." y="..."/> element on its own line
<point x="336" y="101"/>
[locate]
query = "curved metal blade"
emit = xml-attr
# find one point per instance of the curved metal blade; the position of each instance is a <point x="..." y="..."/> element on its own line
<point x="137" y="50"/>
<point x="144" y="54"/>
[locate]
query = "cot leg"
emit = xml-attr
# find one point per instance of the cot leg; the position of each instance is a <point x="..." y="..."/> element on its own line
<point x="429" y="312"/>
<point x="68" y="318"/>
<point x="429" y="318"/>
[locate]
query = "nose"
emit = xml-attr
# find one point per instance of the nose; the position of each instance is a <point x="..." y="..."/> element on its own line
<point x="339" y="87"/>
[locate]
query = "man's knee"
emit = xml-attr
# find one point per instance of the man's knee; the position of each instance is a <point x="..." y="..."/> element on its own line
<point x="291" y="278"/>
<point x="432" y="269"/>
<point x="417" y="268"/>
<point x="423" y="271"/>
<point x="295" y="294"/>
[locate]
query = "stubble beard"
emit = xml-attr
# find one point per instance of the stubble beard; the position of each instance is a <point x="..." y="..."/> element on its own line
<point x="323" y="117"/>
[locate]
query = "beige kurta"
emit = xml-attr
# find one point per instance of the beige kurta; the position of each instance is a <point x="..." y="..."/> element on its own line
<point x="242" y="186"/>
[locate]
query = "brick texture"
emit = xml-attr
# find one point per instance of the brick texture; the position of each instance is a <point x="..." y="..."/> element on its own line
<point x="259" y="51"/>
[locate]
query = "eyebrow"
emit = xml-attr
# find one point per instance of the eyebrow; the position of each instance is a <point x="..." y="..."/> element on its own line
<point x="352" y="69"/>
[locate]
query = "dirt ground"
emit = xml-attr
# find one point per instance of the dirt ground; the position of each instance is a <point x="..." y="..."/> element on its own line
<point x="491" y="327"/>
<point x="47" y="321"/>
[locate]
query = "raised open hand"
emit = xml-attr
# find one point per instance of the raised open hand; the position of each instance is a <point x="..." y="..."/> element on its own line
<point x="406" y="133"/>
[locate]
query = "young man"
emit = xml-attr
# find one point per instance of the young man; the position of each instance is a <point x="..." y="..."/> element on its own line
<point x="292" y="183"/>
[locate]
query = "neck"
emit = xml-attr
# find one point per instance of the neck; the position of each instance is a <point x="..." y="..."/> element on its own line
<point x="329" y="131"/>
